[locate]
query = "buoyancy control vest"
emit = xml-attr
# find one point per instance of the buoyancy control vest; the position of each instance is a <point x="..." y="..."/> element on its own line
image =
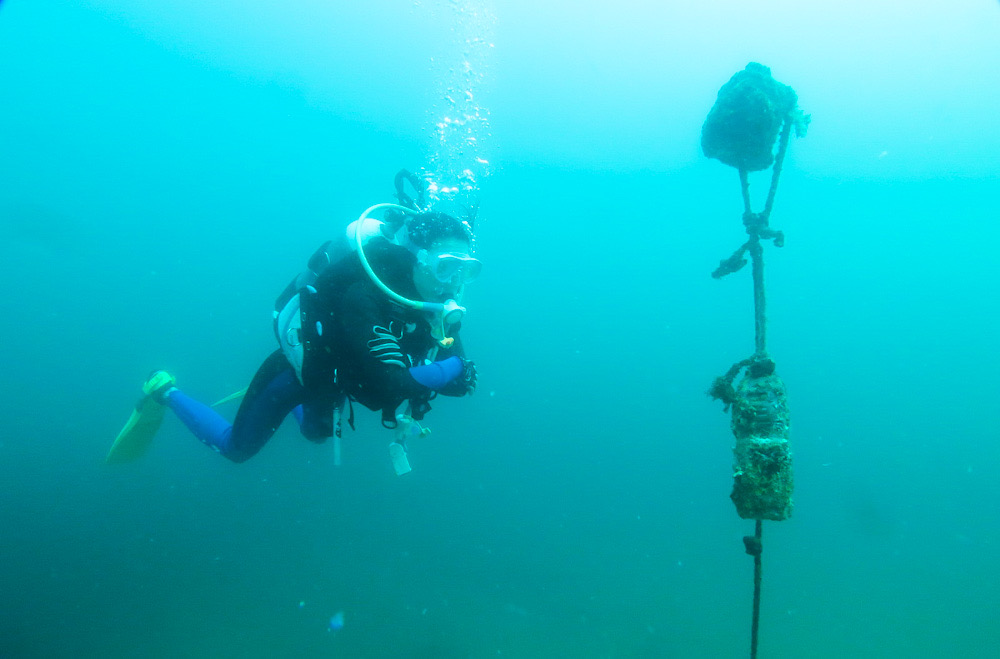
<point x="290" y="323"/>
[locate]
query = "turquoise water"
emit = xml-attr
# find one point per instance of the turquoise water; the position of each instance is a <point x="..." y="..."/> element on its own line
<point x="165" y="169"/>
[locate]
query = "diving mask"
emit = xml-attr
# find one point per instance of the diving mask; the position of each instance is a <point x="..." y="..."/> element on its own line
<point x="448" y="267"/>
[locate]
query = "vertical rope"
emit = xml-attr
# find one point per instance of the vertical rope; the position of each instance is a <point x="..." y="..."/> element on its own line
<point x="754" y="224"/>
<point x="779" y="159"/>
<point x="754" y="547"/>
<point x="757" y="225"/>
<point x="745" y="187"/>
<point x="759" y="300"/>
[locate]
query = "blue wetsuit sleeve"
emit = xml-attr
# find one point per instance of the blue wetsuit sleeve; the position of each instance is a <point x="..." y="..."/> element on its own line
<point x="363" y="324"/>
<point x="437" y="374"/>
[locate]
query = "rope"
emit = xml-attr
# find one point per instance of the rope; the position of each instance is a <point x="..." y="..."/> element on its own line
<point x="745" y="188"/>
<point x="753" y="546"/>
<point x="757" y="227"/>
<point x="759" y="299"/>
<point x="759" y="365"/>
<point x="779" y="159"/>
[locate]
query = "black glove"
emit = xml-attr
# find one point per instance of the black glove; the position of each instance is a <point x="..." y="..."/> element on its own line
<point x="468" y="376"/>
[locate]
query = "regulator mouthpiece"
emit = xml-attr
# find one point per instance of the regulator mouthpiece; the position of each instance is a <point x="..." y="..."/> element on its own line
<point x="452" y="313"/>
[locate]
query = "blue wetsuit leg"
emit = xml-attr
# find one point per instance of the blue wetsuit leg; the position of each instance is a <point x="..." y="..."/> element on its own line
<point x="272" y="394"/>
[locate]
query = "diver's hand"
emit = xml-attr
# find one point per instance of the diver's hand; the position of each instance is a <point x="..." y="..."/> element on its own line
<point x="469" y="376"/>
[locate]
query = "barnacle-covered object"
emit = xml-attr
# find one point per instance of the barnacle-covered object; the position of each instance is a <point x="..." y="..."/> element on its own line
<point x="743" y="125"/>
<point x="762" y="473"/>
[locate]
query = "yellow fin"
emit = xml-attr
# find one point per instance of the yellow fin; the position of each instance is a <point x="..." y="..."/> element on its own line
<point x="238" y="394"/>
<point x="134" y="439"/>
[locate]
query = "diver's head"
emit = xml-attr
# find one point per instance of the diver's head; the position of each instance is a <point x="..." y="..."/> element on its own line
<point x="443" y="246"/>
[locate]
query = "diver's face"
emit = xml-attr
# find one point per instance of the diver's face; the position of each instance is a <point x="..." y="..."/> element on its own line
<point x="443" y="268"/>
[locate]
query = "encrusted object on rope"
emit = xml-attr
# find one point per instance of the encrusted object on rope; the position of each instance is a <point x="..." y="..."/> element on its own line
<point x="762" y="473"/>
<point x="743" y="125"/>
<point x="753" y="112"/>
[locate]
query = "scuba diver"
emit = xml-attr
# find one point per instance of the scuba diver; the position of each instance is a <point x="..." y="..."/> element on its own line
<point x="374" y="319"/>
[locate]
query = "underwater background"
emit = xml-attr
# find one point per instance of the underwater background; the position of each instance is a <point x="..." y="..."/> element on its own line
<point x="166" y="168"/>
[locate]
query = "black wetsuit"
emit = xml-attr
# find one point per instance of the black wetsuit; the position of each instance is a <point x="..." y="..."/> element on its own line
<point x="358" y="344"/>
